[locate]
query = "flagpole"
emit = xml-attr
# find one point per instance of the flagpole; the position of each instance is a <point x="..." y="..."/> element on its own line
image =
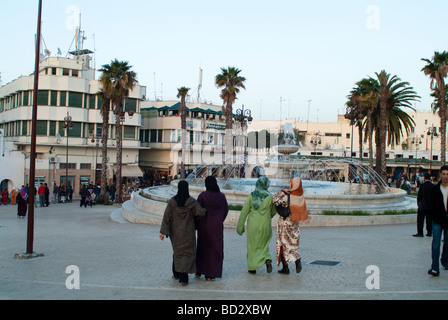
<point x="30" y="232"/>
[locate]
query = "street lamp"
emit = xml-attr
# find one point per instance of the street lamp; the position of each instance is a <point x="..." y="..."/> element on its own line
<point x="417" y="141"/>
<point x="120" y="115"/>
<point x="243" y="116"/>
<point x="67" y="125"/>
<point x="315" y="141"/>
<point x="432" y="132"/>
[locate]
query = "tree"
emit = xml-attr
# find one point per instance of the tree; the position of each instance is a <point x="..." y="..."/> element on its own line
<point x="437" y="70"/>
<point x="182" y="93"/>
<point x="117" y="80"/>
<point x="230" y="81"/>
<point x="392" y="93"/>
<point x="365" y="95"/>
<point x="105" y="109"/>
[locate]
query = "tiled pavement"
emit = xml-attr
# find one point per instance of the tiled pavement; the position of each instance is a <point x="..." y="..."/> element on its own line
<point x="128" y="261"/>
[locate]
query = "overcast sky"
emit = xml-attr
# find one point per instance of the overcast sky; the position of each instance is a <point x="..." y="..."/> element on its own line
<point x="288" y="50"/>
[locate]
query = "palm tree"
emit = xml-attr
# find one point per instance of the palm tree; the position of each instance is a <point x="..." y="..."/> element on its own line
<point x="392" y="92"/>
<point x="182" y="93"/>
<point x="437" y="70"/>
<point x="230" y="81"/>
<point x="105" y="109"/>
<point x="117" y="80"/>
<point x="365" y="96"/>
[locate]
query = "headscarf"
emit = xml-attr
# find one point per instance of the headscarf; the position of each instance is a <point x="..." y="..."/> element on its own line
<point x="297" y="205"/>
<point x="211" y="184"/>
<point x="182" y="193"/>
<point x="261" y="191"/>
<point x="23" y="193"/>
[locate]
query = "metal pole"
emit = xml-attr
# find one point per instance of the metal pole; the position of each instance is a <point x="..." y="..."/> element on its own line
<point x="30" y="232"/>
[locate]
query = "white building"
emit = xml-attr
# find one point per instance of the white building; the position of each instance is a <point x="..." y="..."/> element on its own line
<point x="66" y="86"/>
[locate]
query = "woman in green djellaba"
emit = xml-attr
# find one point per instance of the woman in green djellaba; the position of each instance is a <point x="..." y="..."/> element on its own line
<point x="258" y="210"/>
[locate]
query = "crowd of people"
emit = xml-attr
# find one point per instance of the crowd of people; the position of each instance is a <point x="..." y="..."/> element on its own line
<point x="184" y="216"/>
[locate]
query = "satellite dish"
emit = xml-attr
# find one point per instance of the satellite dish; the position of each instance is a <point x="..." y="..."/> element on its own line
<point x="47" y="52"/>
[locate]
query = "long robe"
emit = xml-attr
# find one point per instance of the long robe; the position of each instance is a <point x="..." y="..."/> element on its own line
<point x="22" y="205"/>
<point x="259" y="230"/>
<point x="210" y="250"/>
<point x="179" y="225"/>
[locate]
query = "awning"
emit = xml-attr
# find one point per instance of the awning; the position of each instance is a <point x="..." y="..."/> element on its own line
<point x="165" y="166"/>
<point x="131" y="171"/>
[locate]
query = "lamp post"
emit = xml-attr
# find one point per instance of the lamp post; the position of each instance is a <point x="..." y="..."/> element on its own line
<point x="67" y="126"/>
<point x="432" y="132"/>
<point x="243" y="116"/>
<point x="315" y="141"/>
<point x="417" y="141"/>
<point x="120" y="115"/>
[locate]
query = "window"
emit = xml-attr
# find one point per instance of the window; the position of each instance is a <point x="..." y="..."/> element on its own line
<point x="129" y="132"/>
<point x="42" y="98"/>
<point x="92" y="101"/>
<point x="41" y="128"/>
<point x="52" y="128"/>
<point x="153" y="136"/>
<point x="65" y="72"/>
<point x="75" y="73"/>
<point x="87" y="166"/>
<point x="63" y="165"/>
<point x="75" y="99"/>
<point x="63" y="98"/>
<point x="53" y="98"/>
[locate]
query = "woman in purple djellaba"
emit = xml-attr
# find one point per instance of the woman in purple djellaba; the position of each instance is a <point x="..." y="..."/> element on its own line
<point x="210" y="247"/>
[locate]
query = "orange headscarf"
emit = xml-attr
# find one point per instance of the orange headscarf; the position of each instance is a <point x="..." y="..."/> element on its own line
<point x="299" y="211"/>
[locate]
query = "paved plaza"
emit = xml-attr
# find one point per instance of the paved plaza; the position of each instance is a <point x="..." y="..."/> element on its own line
<point x="129" y="261"/>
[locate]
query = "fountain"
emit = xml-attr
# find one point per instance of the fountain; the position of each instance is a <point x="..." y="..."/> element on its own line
<point x="334" y="184"/>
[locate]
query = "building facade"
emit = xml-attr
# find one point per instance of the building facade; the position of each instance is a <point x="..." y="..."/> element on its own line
<point x="67" y="86"/>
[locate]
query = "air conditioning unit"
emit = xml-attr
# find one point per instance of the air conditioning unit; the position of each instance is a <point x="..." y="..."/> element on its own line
<point x="53" y="160"/>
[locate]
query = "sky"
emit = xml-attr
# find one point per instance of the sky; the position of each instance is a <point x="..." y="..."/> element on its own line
<point x="289" y="51"/>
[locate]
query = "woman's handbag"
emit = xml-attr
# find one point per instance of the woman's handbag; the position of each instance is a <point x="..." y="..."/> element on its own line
<point x="281" y="204"/>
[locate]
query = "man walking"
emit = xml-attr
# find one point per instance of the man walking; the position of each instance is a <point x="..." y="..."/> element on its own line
<point x="439" y="217"/>
<point x="423" y="202"/>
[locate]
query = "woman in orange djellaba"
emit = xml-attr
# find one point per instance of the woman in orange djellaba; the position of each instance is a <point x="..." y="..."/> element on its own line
<point x="288" y="231"/>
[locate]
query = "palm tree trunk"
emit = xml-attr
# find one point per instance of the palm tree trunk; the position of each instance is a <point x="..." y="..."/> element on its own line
<point x="104" y="138"/>
<point x="360" y="140"/>
<point x="443" y="119"/>
<point x="229" y="136"/>
<point x="369" y="132"/>
<point x="382" y="170"/>
<point x="119" y="139"/>
<point x="183" y="120"/>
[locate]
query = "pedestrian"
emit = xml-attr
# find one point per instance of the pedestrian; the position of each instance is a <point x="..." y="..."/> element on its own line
<point x="288" y="231"/>
<point x="22" y="203"/>
<point x="41" y="193"/>
<point x="55" y="193"/>
<point x="89" y="199"/>
<point x="70" y="194"/>
<point x="47" y="195"/>
<point x="258" y="210"/>
<point x="5" y="196"/>
<point x="423" y="198"/>
<point x="113" y="190"/>
<point x="178" y="224"/>
<point x="210" y="247"/>
<point x="83" y="193"/>
<point x="439" y="217"/>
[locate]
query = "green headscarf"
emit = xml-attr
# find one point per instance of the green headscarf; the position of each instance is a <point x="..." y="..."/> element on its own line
<point x="261" y="191"/>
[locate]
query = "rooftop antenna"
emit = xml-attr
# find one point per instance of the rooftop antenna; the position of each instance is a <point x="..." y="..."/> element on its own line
<point x="155" y="91"/>
<point x="281" y="100"/>
<point x="200" y="85"/>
